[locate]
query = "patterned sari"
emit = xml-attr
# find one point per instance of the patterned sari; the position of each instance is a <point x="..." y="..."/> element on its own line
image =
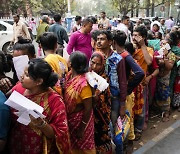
<point x="73" y="89"/>
<point x="30" y="140"/>
<point x="140" y="89"/>
<point x="102" y="112"/>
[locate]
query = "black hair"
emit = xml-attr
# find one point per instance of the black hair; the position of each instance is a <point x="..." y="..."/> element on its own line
<point x="17" y="15"/>
<point x="57" y="17"/>
<point x="129" y="47"/>
<point x="5" y="64"/>
<point x="174" y="37"/>
<point x="107" y="33"/>
<point x="48" y="40"/>
<point x="40" y="69"/>
<point x="94" y="34"/>
<point x="142" y="32"/>
<point x="119" y="37"/>
<point x="156" y="18"/>
<point x="94" y="19"/>
<point x="86" y="21"/>
<point x="159" y="35"/>
<point x="25" y="45"/>
<point x="79" y="62"/>
<point x="103" y="12"/>
<point x="124" y="18"/>
<point x="77" y="18"/>
<point x="100" y="25"/>
<point x="150" y="35"/>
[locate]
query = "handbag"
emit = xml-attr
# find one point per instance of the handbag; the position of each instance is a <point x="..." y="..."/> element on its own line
<point x="122" y="129"/>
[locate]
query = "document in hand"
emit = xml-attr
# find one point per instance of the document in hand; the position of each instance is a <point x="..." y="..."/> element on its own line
<point x="24" y="107"/>
<point x="20" y="62"/>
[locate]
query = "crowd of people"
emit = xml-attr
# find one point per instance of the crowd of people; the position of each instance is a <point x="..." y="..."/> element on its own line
<point x="139" y="63"/>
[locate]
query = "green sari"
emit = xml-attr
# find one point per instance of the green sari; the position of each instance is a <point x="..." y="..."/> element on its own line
<point x="176" y="51"/>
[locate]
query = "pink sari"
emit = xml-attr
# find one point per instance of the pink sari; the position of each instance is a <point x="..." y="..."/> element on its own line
<point x="73" y="89"/>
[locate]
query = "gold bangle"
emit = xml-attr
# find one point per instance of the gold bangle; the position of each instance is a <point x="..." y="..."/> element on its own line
<point x="84" y="122"/>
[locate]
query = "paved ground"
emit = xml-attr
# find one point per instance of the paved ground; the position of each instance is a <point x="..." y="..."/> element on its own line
<point x="160" y="137"/>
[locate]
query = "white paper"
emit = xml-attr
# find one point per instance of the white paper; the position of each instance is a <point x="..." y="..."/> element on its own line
<point x="20" y="63"/>
<point x="96" y="80"/>
<point x="24" y="107"/>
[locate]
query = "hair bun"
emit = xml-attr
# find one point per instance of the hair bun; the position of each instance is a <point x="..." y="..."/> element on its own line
<point x="52" y="80"/>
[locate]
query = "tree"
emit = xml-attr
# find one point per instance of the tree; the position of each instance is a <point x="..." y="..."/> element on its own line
<point x="123" y="6"/>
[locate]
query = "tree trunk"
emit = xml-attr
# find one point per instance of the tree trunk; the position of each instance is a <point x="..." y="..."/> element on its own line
<point x="137" y="9"/>
<point x="132" y="10"/>
<point x="147" y="8"/>
<point x="152" y="8"/>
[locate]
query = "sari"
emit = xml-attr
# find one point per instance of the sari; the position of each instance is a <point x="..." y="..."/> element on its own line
<point x="29" y="139"/>
<point x="174" y="70"/>
<point x="163" y="90"/>
<point x="176" y="97"/>
<point x="102" y="112"/>
<point x="140" y="89"/>
<point x="73" y="89"/>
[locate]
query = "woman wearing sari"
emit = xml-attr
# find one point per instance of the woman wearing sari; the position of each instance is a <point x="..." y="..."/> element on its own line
<point x="78" y="101"/>
<point x="101" y="108"/>
<point x="174" y="40"/>
<point x="41" y="136"/>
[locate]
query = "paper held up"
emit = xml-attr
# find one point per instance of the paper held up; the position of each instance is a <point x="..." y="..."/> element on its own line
<point x="20" y="63"/>
<point x="24" y="107"/>
<point x="96" y="81"/>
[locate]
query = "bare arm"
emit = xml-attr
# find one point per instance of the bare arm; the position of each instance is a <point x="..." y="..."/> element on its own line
<point x="41" y="124"/>
<point x="147" y="57"/>
<point x="87" y="103"/>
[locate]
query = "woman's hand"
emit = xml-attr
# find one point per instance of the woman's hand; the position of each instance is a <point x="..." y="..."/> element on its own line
<point x="5" y="84"/>
<point x="37" y="122"/>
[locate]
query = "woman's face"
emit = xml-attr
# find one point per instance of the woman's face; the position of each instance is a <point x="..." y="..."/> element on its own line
<point x="96" y="64"/>
<point x="26" y="81"/>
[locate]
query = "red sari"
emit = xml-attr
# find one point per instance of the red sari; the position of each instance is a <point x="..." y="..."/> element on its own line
<point x="73" y="88"/>
<point x="30" y="140"/>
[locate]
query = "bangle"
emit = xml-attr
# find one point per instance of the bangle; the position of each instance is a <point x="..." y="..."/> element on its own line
<point x="84" y="122"/>
<point x="44" y="123"/>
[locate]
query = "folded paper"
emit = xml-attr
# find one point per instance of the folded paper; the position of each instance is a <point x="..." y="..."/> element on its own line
<point x="24" y="107"/>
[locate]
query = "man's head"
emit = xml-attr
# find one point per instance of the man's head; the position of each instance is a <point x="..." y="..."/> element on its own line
<point x="87" y="24"/>
<point x="103" y="14"/>
<point x="78" y="19"/>
<point x="104" y="39"/>
<point x="140" y="31"/>
<point x="45" y="19"/>
<point x="171" y="17"/>
<point x="119" y="38"/>
<point x="48" y="41"/>
<point x="57" y="18"/>
<point x="16" y="18"/>
<point x="156" y="18"/>
<point x="125" y="20"/>
<point x="162" y="21"/>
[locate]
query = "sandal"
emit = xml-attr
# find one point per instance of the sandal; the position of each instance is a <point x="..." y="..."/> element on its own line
<point x="138" y="134"/>
<point x="165" y="116"/>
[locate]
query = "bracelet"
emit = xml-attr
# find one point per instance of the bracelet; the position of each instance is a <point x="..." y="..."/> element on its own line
<point x="42" y="125"/>
<point x="84" y="122"/>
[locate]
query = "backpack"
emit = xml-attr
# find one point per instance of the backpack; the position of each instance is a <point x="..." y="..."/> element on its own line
<point x="111" y="71"/>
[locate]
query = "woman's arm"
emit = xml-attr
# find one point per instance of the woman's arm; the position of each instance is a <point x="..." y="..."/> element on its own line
<point x="87" y="103"/>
